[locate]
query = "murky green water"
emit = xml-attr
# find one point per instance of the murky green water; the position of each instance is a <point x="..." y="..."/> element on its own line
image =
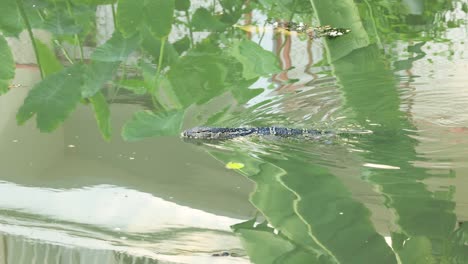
<point x="101" y="175"/>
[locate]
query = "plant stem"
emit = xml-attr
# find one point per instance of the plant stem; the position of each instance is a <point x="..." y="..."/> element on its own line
<point x="77" y="38"/>
<point x="263" y="33"/>
<point x="114" y="16"/>
<point x="189" y="25"/>
<point x="31" y="35"/>
<point x="65" y="52"/>
<point x="158" y="74"/>
<point x="161" y="55"/>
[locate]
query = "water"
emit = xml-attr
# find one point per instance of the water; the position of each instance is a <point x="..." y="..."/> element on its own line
<point x="146" y="196"/>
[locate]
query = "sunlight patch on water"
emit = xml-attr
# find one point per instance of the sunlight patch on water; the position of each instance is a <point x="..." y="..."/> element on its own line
<point x="106" y="217"/>
<point x="380" y="166"/>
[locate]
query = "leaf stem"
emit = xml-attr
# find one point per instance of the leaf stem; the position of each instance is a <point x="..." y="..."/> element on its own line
<point x="65" y="52"/>
<point x="263" y="33"/>
<point x="161" y="55"/>
<point x="114" y="16"/>
<point x="31" y="35"/>
<point x="189" y="25"/>
<point x="158" y="73"/>
<point x="77" y="38"/>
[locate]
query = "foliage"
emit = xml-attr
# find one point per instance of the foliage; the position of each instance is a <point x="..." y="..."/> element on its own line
<point x="10" y="20"/>
<point x="6" y="67"/>
<point x="53" y="99"/>
<point x="173" y="74"/>
<point x="146" y="124"/>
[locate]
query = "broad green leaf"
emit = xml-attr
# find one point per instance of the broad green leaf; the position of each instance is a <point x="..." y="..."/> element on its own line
<point x="148" y="124"/>
<point x="159" y="87"/>
<point x="255" y="60"/>
<point x="204" y="73"/>
<point x="53" y="99"/>
<point x="85" y="17"/>
<point x="102" y="114"/>
<point x="197" y="79"/>
<point x="61" y="24"/>
<point x="49" y="62"/>
<point x="233" y="11"/>
<point x="182" y="44"/>
<point x="117" y="48"/>
<point x="203" y="20"/>
<point x="137" y="86"/>
<point x="244" y="95"/>
<point x="149" y="77"/>
<point x="32" y="8"/>
<point x="11" y="23"/>
<point x="158" y="15"/>
<point x="7" y="65"/>
<point x="97" y="75"/>
<point x="182" y="5"/>
<point x="129" y="16"/>
<point x="152" y="45"/>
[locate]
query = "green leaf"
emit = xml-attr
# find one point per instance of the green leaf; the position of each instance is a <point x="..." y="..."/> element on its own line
<point x="137" y="86"/>
<point x="129" y="16"/>
<point x="158" y="15"/>
<point x="7" y="65"/>
<point x="255" y="60"/>
<point x="97" y="75"/>
<point x="152" y="45"/>
<point x="204" y="20"/>
<point x="53" y="99"/>
<point x="244" y="95"/>
<point x="117" y="48"/>
<point x="182" y="44"/>
<point x="197" y="79"/>
<point x="102" y="114"/>
<point x="10" y="20"/>
<point x="204" y="73"/>
<point x="147" y="124"/>
<point x="49" y="62"/>
<point x="34" y="12"/>
<point x="61" y="24"/>
<point x="182" y="5"/>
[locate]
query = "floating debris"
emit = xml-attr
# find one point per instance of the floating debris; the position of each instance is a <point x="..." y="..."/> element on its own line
<point x="234" y="165"/>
